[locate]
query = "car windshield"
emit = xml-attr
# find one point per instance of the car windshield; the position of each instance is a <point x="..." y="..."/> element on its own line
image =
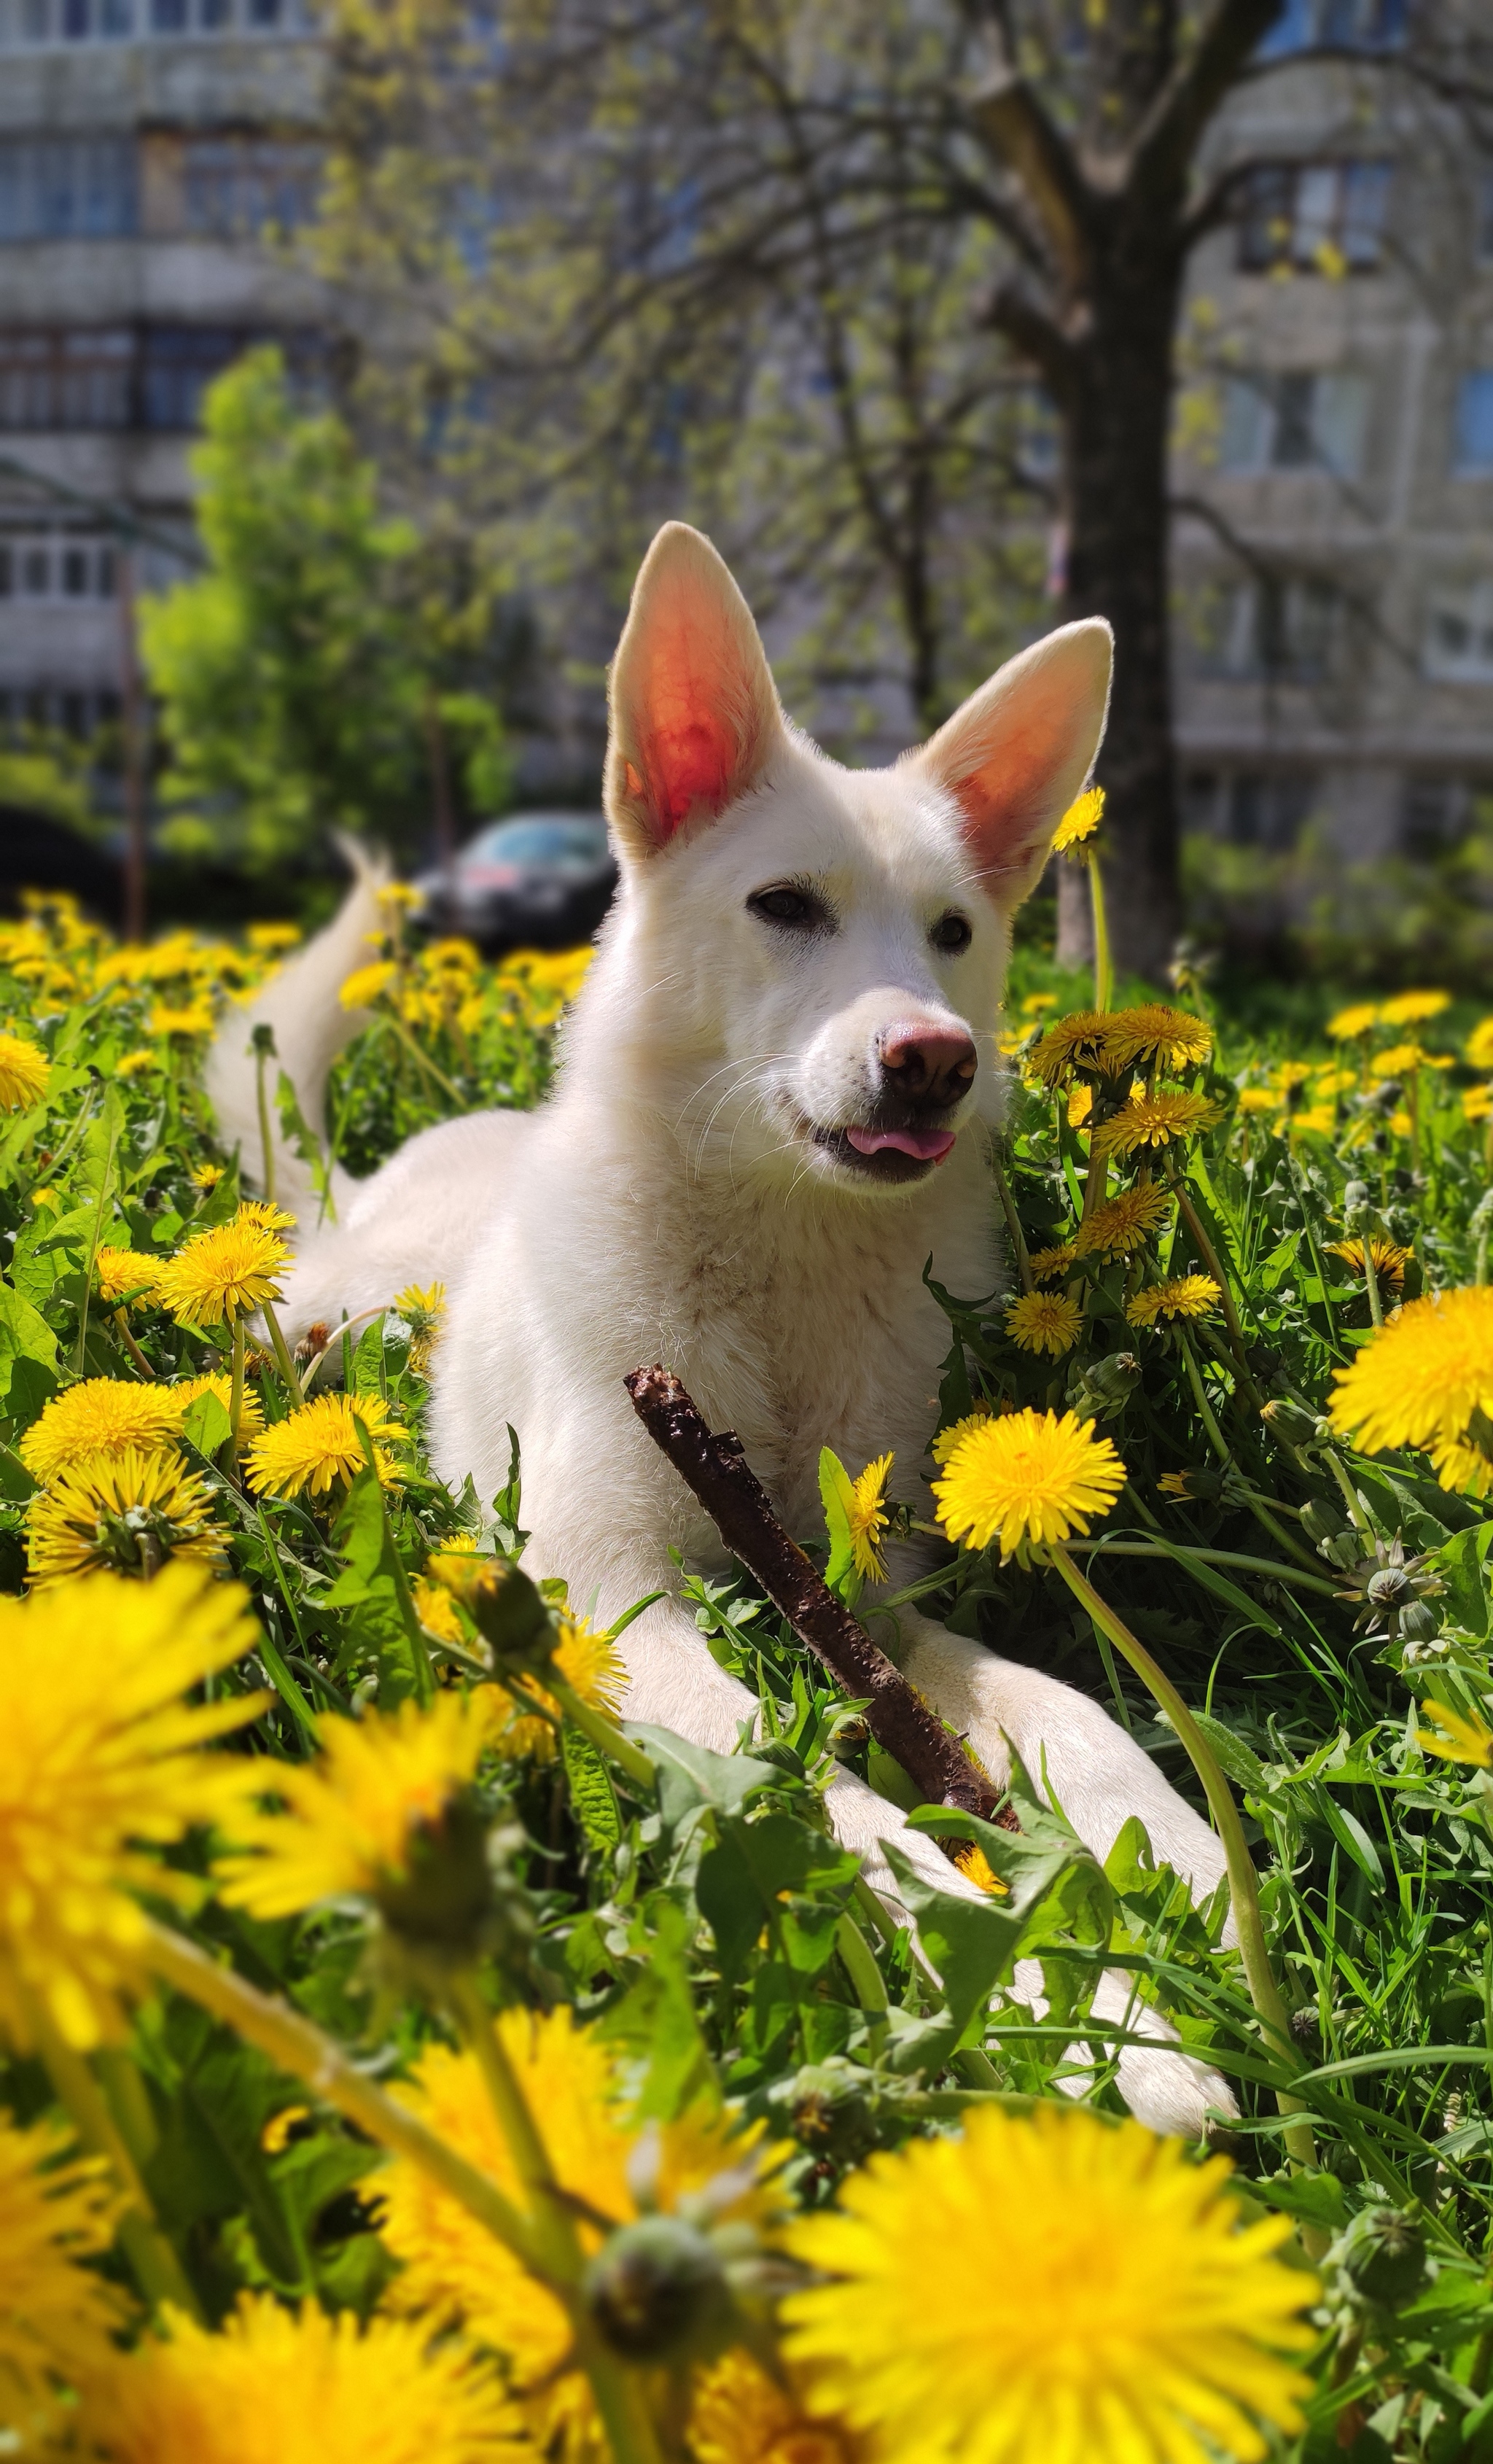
<point x="540" y="838"/>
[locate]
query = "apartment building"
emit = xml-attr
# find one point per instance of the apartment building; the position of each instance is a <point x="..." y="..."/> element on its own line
<point x="152" y="152"/>
<point x="1333" y="552"/>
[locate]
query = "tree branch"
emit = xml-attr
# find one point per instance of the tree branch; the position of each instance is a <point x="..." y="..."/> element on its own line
<point x="1011" y="311"/>
<point x="1006" y="113"/>
<point x="717" y="1470"/>
<point x="1167" y="136"/>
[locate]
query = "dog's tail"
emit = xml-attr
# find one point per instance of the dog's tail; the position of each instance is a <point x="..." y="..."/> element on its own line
<point x="310" y="1025"/>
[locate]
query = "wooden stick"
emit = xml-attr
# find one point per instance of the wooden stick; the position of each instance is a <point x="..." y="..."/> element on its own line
<point x="717" y="1470"/>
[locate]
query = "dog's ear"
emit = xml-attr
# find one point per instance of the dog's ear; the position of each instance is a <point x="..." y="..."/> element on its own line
<point x="695" y="712"/>
<point x="1019" y="751"/>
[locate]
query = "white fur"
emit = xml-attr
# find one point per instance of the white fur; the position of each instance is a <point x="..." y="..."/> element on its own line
<point x="668" y="1202"/>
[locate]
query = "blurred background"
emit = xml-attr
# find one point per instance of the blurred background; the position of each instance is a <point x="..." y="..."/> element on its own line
<point x="350" y="354"/>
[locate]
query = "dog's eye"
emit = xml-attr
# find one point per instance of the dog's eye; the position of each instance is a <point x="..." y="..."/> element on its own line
<point x="796" y="908"/>
<point x="952" y="932"/>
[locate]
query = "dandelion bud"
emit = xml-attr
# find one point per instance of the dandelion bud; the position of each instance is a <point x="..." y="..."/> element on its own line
<point x="1291" y="1421"/>
<point x="1322" y="1521"/>
<point x="507" y="1610"/>
<point x="657" y="2289"/>
<point x="1383" y="2256"/>
<point x="455" y="1897"/>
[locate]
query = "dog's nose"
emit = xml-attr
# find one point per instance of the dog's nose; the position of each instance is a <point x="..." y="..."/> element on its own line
<point x="932" y="1066"/>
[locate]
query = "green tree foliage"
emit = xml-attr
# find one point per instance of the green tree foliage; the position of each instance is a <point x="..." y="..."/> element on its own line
<point x="305" y="677"/>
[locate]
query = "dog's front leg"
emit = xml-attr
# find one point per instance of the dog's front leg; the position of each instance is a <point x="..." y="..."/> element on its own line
<point x="673" y="1682"/>
<point x="1100" y="1777"/>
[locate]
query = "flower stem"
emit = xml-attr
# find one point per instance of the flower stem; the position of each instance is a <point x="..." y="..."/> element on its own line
<point x="1104" y="973"/>
<point x="235" y="1395"/>
<point x="263" y="1050"/>
<point x="121" y="1329"/>
<point x="629" y="2431"/>
<point x="604" y="1733"/>
<point x="1371" y="1277"/>
<point x="1023" y="1263"/>
<point x="1210" y="1257"/>
<point x="299" y="2047"/>
<point x="157" y="2268"/>
<point x="282" y="1354"/>
<point x="1243" y="1883"/>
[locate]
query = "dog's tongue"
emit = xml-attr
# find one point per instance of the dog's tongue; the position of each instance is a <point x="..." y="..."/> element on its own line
<point x="928" y="1145"/>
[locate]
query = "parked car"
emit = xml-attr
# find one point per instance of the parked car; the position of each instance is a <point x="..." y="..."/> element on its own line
<point x="544" y="879"/>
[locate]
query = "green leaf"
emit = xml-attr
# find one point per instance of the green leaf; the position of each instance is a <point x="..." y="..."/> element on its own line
<point x="592" y="1796"/>
<point x="968" y="1942"/>
<point x="207" y="1426"/>
<point x="838" y="1496"/>
<point x="24" y="1335"/>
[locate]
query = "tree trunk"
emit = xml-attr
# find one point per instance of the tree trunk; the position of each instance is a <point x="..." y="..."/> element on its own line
<point x="1117" y="423"/>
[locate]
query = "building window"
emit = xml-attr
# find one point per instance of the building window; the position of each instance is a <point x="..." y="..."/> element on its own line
<point x="25" y="24"/>
<point x="58" y="565"/>
<point x="1267" y="808"/>
<point x="1474" y="448"/>
<point x="1439" y="813"/>
<point x="1323" y="217"/>
<point x="126" y="377"/>
<point x="1280" y="629"/>
<point x="1459" y="644"/>
<point x="68" y="187"/>
<point x="1295" y="422"/>
<point x="1370" y="25"/>
<point x="232" y="186"/>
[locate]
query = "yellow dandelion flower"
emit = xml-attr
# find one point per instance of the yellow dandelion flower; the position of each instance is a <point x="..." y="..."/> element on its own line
<point x="947" y="1439"/>
<point x="102" y="1416"/>
<point x="1080" y="1104"/>
<point x="352" y="1818"/>
<point x="266" y="938"/>
<point x="181" y="1018"/>
<point x="275" y="2385"/>
<point x="1047" y="1266"/>
<point x="24" y="1072"/>
<point x="1092" y="2363"/>
<point x="1314" y="1121"/>
<point x="1028" y="1476"/>
<point x="739" y="2415"/>
<point x="125" y="1273"/>
<point x="1258" y="1099"/>
<point x="976" y="1868"/>
<point x="1177" y="1484"/>
<point x="1401" y="1124"/>
<point x="422" y="1308"/>
<point x="101" y="1754"/>
<point x="1177" y="1296"/>
<point x="1333" y="1082"/>
<point x="1036" y="1004"/>
<point x="1352" y="1023"/>
<point x="1420" y="1378"/>
<point x="50" y="1198"/>
<point x="1155" y="1031"/>
<point x="398" y="898"/>
<point x="1462" y="1468"/>
<point x="127" y="1510"/>
<point x="262" y="1215"/>
<point x="57" y="2316"/>
<point x="222" y="1274"/>
<point x="454" y="2272"/>
<point x="1044" y="1321"/>
<point x="1155" y="1120"/>
<point x="1412" y="1009"/>
<point x="1124" y="1223"/>
<point x="437" y="1612"/>
<point x="1079" y="821"/>
<point x="1396" y="1061"/>
<point x="590" y="1665"/>
<point x="1477" y="1103"/>
<point x="129" y="1065"/>
<point x="869" y="1519"/>
<point x="1287" y="1076"/>
<point x="318" y="1444"/>
<point x="1477" y="1050"/>
<point x="206" y="1176"/>
<point x="1388" y="1259"/>
<point x="1078" y="1041"/>
<point x="1461" y="1740"/>
<point x="362" y="987"/>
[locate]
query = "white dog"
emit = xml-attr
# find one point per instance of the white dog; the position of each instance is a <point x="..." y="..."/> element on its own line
<point x="775" y="1105"/>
